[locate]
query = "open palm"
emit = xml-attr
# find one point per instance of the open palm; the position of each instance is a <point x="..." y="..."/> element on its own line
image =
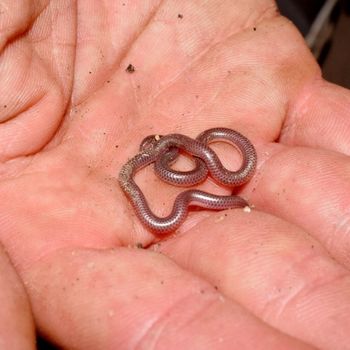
<point x="72" y="114"/>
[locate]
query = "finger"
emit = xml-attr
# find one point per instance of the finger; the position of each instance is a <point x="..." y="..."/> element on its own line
<point x="310" y="188"/>
<point x="16" y="323"/>
<point x="129" y="298"/>
<point x="320" y="117"/>
<point x="272" y="268"/>
<point x="37" y="67"/>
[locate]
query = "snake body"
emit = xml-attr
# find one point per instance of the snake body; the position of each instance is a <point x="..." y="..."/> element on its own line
<point x="163" y="151"/>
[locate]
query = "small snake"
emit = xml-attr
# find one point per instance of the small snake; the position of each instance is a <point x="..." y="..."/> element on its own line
<point x="163" y="151"/>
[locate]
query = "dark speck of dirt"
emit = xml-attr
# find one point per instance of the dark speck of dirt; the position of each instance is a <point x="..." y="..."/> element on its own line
<point x="130" y="68"/>
<point x="90" y="72"/>
<point x="116" y="146"/>
<point x="180" y="16"/>
<point x="139" y="245"/>
<point x="254" y="29"/>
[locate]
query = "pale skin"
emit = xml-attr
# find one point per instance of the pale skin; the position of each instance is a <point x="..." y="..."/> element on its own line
<point x="275" y="278"/>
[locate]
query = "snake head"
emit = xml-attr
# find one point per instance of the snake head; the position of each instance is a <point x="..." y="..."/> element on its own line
<point x="150" y="142"/>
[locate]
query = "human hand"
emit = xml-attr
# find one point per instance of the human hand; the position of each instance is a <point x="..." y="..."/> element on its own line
<point x="16" y="322"/>
<point x="275" y="278"/>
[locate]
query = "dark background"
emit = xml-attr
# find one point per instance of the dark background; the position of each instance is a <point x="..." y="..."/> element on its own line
<point x="331" y="46"/>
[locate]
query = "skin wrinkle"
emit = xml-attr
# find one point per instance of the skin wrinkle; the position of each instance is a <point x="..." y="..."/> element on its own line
<point x="70" y="104"/>
<point x="34" y="17"/>
<point x="20" y="127"/>
<point x="51" y="35"/>
<point x="19" y="332"/>
<point x="18" y="121"/>
<point x="319" y="119"/>
<point x="46" y="257"/>
<point x="274" y="315"/>
<point x="14" y="30"/>
<point x="306" y="308"/>
<point x="31" y="103"/>
<point x="340" y="234"/>
<point x="278" y="309"/>
<point x="292" y="116"/>
<point x="36" y="58"/>
<point x="166" y="319"/>
<point x="212" y="98"/>
<point x="264" y="159"/>
<point x="215" y="42"/>
<point x="293" y="295"/>
<point x="119" y="60"/>
<point x="138" y="104"/>
<point x="177" y="75"/>
<point x="24" y="80"/>
<point x="289" y="123"/>
<point x="44" y="34"/>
